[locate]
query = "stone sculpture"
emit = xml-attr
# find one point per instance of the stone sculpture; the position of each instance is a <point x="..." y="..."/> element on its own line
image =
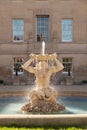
<point x="43" y="98"/>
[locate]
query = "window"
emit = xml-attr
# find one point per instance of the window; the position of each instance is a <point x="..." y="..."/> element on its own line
<point x="18" y="30"/>
<point x="42" y="26"/>
<point x="67" y="30"/>
<point x="17" y="62"/>
<point x="67" y="63"/>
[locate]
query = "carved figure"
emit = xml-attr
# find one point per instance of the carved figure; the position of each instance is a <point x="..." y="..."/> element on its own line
<point x="43" y="66"/>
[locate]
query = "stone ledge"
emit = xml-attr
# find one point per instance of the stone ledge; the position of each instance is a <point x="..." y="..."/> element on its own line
<point x="60" y="93"/>
<point x="72" y="93"/>
<point x="43" y="120"/>
<point x="13" y="94"/>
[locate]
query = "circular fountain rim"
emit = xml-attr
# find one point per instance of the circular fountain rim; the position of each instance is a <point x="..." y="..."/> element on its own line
<point x="43" y="120"/>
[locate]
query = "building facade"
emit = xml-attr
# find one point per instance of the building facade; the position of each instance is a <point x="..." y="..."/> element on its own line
<point x="62" y="24"/>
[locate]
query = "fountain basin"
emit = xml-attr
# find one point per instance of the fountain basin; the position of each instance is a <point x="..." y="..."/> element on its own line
<point x="43" y="120"/>
<point x="76" y="113"/>
<point x="74" y="105"/>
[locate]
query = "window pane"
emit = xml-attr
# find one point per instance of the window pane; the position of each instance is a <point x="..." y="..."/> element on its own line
<point x="17" y="62"/>
<point x="42" y="28"/>
<point x="66" y="30"/>
<point x="67" y="63"/>
<point x="18" y="30"/>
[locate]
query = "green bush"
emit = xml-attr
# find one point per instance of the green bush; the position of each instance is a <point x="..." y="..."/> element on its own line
<point x="45" y="128"/>
<point x="84" y="81"/>
<point x="1" y="81"/>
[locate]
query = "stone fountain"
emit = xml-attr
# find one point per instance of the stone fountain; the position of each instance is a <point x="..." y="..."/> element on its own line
<point x="43" y="98"/>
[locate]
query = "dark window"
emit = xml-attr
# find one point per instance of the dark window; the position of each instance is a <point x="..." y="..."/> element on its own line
<point x="17" y="62"/>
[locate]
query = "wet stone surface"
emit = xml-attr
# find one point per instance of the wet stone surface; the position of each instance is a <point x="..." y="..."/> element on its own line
<point x="43" y="107"/>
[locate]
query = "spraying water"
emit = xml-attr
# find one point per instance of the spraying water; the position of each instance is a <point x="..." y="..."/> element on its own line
<point x="43" y="48"/>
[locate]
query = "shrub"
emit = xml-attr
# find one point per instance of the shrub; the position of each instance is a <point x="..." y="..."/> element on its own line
<point x="84" y="81"/>
<point x="1" y="81"/>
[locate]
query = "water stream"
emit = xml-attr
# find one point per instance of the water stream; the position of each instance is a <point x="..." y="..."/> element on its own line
<point x="43" y="48"/>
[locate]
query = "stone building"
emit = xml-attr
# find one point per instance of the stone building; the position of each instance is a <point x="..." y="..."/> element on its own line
<point x="25" y="23"/>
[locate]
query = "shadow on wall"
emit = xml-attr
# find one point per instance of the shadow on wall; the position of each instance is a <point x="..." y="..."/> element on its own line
<point x="5" y="75"/>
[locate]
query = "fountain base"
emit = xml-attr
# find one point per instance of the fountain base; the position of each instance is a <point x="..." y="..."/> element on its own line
<point x="43" y="107"/>
<point x="43" y="101"/>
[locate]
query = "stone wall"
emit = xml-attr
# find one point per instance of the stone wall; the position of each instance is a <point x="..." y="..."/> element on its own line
<point x="6" y="75"/>
<point x="57" y="10"/>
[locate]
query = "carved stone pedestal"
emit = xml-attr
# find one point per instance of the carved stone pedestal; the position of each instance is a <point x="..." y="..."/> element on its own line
<point x="43" y="101"/>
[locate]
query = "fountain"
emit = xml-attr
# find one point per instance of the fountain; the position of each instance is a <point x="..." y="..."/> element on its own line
<point x="43" y="98"/>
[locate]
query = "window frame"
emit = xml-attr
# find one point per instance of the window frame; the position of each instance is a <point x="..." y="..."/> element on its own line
<point x="14" y="72"/>
<point x="68" y="31"/>
<point x="70" y="62"/>
<point x="48" y="28"/>
<point x="16" y="30"/>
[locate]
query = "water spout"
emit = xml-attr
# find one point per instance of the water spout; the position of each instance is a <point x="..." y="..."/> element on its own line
<point x="43" y="48"/>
